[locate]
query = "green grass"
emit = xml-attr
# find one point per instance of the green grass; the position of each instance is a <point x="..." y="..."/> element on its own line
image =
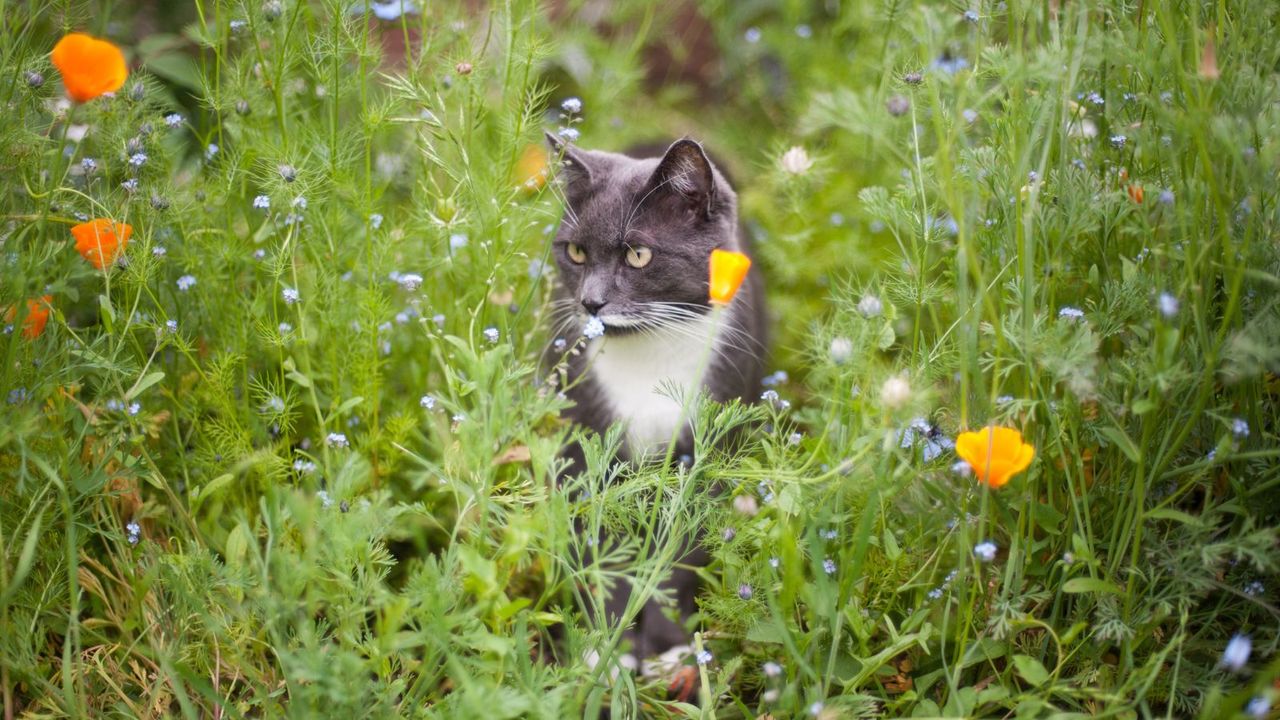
<point x="428" y="565"/>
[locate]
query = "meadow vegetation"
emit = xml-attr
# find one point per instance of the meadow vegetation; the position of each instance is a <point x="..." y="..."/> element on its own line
<point x="288" y="448"/>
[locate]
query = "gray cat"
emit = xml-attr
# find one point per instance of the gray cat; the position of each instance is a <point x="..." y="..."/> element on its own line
<point x="633" y="251"/>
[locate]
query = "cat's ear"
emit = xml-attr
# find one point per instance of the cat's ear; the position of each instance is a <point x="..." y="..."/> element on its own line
<point x="685" y="171"/>
<point x="575" y="169"/>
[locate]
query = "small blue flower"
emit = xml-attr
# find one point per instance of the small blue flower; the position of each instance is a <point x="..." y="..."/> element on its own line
<point x="948" y="65"/>
<point x="775" y="378"/>
<point x="771" y="669"/>
<point x="427" y="402"/>
<point x="186" y="282"/>
<point x="491" y="334"/>
<point x="130" y="185"/>
<point x="537" y="269"/>
<point x="325" y="500"/>
<point x="134" y="531"/>
<point x="138" y="159"/>
<point x="559" y="344"/>
<point x="134" y="408"/>
<point x="1168" y="305"/>
<point x="18" y="396"/>
<point x="457" y="241"/>
<point x="1240" y="428"/>
<point x="729" y="534"/>
<point x="375" y="220"/>
<point x="284" y="328"/>
<point x="593" y="329"/>
<point x="89" y="164"/>
<point x="1255" y="588"/>
<point x="1259" y="707"/>
<point x="816" y="708"/>
<point x="337" y="440"/>
<point x="870" y="306"/>
<point x="568" y="133"/>
<point x="210" y="151"/>
<point x="985" y="551"/>
<point x="970" y="116"/>
<point x="829" y="566"/>
<point x="745" y="592"/>
<point x="1071" y="313"/>
<point x="1118" y="141"/>
<point x="572" y="105"/>
<point x="804" y="31"/>
<point x="971" y="16"/>
<point x="704" y="657"/>
<point x="1236" y="655"/>
<point x="1166" y="197"/>
<point x="306" y="467"/>
<point x="290" y="295"/>
<point x="775" y="562"/>
<point x="752" y="35"/>
<point x="410" y="281"/>
<point x="262" y="202"/>
<point x="174" y="120"/>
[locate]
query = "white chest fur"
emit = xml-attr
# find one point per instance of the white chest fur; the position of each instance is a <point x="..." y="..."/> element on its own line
<point x="638" y="373"/>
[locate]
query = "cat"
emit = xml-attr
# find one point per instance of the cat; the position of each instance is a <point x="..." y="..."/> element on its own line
<point x="632" y="254"/>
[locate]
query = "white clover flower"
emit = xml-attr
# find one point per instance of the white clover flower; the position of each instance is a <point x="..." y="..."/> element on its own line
<point x="174" y="120"/>
<point x="1168" y="305"/>
<point x="895" y="392"/>
<point x="410" y="281"/>
<point x="840" y="350"/>
<point x="290" y="295"/>
<point x="427" y="402"/>
<point x="796" y="161"/>
<point x="335" y="439"/>
<point x="985" y="551"/>
<point x="1071" y="313"/>
<point x="593" y="329"/>
<point x="870" y="306"/>
<point x="491" y="334"/>
<point x="1236" y="655"/>
<point x="185" y="282"/>
<point x="572" y="105"/>
<point x="262" y="202"/>
<point x="138" y="159"/>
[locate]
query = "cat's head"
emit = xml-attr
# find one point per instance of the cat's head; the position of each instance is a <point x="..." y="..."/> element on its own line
<point x="637" y="234"/>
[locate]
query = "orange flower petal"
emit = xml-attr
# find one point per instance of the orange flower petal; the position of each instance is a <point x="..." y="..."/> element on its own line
<point x="996" y="454"/>
<point x="37" y="316"/>
<point x="728" y="270"/>
<point x="101" y="241"/>
<point x="89" y="66"/>
<point x="531" y="168"/>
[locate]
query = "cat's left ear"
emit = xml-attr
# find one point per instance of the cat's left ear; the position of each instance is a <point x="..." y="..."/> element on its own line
<point x="685" y="171"/>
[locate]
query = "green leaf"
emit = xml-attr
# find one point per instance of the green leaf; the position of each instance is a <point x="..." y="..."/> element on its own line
<point x="1031" y="670"/>
<point x="198" y="497"/>
<point x="1175" y="515"/>
<point x="108" y="313"/>
<point x="1089" y="585"/>
<point x="143" y="383"/>
<point x="1122" y="441"/>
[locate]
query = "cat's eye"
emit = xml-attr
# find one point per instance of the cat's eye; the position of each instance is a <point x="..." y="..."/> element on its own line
<point x="639" y="256"/>
<point x="576" y="253"/>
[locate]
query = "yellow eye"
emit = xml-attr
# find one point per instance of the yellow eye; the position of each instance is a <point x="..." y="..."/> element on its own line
<point x="576" y="253"/>
<point x="638" y="257"/>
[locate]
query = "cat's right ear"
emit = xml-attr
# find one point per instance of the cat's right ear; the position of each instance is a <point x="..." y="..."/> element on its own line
<point x="574" y="171"/>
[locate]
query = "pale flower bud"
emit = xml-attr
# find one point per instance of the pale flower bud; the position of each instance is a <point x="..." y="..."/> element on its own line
<point x="895" y="392"/>
<point x="796" y="161"/>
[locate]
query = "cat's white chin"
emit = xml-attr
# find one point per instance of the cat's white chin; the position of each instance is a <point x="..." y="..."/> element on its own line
<point x="620" y="321"/>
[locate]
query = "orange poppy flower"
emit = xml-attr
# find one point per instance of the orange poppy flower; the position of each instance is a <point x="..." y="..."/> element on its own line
<point x="1136" y="193"/>
<point x="728" y="270"/>
<point x="37" y="316"/>
<point x="530" y="171"/>
<point x="101" y="241"/>
<point x="995" y="453"/>
<point x="89" y="66"/>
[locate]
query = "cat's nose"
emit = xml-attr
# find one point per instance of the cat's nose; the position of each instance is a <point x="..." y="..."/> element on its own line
<point x="593" y="306"/>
